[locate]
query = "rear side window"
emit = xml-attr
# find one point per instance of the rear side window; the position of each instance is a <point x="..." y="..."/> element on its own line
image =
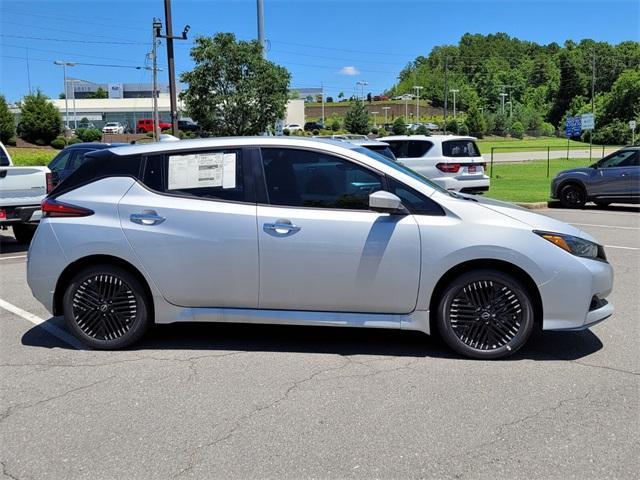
<point x="60" y="162"/>
<point x="215" y="174"/>
<point x="409" y="148"/>
<point x="305" y="178"/>
<point x="460" y="148"/>
<point x="4" y="160"/>
<point x="78" y="159"/>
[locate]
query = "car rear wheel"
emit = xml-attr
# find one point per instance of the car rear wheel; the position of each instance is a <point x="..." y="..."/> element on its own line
<point x="106" y="307"/>
<point x="485" y="314"/>
<point x="572" y="196"/>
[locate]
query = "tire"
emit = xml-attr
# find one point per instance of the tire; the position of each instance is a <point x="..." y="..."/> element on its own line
<point x="23" y="232"/>
<point x="485" y="314"/>
<point x="602" y="204"/>
<point x="88" y="312"/>
<point x="572" y="196"/>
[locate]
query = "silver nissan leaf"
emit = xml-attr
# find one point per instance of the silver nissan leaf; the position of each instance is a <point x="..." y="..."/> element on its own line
<point x="302" y="232"/>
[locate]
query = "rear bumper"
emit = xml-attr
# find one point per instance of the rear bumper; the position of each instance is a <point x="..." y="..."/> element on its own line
<point x="461" y="184"/>
<point x="28" y="213"/>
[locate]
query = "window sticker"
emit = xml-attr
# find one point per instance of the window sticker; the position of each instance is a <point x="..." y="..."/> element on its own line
<point x="202" y="170"/>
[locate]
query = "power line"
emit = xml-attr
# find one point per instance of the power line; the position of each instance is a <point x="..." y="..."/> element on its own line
<point x="72" y="32"/>
<point x="69" y="18"/>
<point x="48" y="39"/>
<point x="77" y="63"/>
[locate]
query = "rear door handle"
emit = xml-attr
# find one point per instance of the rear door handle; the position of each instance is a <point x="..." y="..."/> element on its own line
<point x="281" y="227"/>
<point x="147" y="217"/>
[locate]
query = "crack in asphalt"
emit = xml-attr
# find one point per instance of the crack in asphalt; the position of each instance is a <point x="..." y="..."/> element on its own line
<point x="5" y="471"/>
<point x="238" y="423"/>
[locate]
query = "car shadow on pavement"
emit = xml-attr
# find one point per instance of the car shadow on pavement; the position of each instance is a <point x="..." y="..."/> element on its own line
<point x="8" y="243"/>
<point x="325" y="340"/>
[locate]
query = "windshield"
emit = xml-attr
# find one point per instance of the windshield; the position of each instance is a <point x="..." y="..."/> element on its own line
<point x="112" y="124"/>
<point x="403" y="169"/>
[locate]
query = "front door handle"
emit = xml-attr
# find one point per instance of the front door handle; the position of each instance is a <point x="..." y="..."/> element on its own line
<point x="147" y="217"/>
<point x="281" y="227"/>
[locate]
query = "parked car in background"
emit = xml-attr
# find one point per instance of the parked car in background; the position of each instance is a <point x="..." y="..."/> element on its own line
<point x="145" y="125"/>
<point x="294" y="127"/>
<point x="21" y="191"/>
<point x="188" y="125"/>
<point x="314" y="126"/>
<point x="138" y="235"/>
<point x="374" y="145"/>
<point x="613" y="179"/>
<point x="453" y="162"/>
<point x="86" y="125"/>
<point x="68" y="160"/>
<point x="113" y="128"/>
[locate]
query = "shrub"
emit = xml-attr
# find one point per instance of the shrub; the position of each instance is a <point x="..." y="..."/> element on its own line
<point x="374" y="130"/>
<point x="422" y="130"/>
<point x="616" y="133"/>
<point x="315" y="131"/>
<point x="11" y="142"/>
<point x="40" y="120"/>
<point x="399" y="127"/>
<point x="517" y="130"/>
<point x="335" y="125"/>
<point x="286" y="132"/>
<point x="89" y="134"/>
<point x="463" y="129"/>
<point x="73" y="140"/>
<point x="356" y="119"/>
<point x="453" y="126"/>
<point x="547" y="129"/>
<point x="58" y="143"/>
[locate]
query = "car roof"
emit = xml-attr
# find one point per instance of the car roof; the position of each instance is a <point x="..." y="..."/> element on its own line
<point x="367" y="142"/>
<point x="94" y="145"/>
<point x="430" y="138"/>
<point x="283" y="141"/>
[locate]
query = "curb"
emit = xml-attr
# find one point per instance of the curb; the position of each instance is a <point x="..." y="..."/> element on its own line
<point x="533" y="206"/>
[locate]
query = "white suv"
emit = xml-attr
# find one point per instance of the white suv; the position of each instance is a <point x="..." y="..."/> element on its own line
<point x="454" y="162"/>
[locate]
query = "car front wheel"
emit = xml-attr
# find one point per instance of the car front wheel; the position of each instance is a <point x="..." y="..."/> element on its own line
<point x="106" y="307"/>
<point x="572" y="196"/>
<point x="485" y="314"/>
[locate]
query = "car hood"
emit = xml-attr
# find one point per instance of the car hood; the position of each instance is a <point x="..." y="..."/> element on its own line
<point x="528" y="217"/>
<point x="580" y="170"/>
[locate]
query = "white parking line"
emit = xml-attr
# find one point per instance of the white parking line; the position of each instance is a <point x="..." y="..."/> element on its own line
<point x="13" y="256"/>
<point x="623" y="248"/>
<point x="605" y="226"/>
<point x="52" y="329"/>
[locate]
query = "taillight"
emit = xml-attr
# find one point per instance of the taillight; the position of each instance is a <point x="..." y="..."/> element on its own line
<point x="448" y="167"/>
<point x="53" y="208"/>
<point x="49" y="182"/>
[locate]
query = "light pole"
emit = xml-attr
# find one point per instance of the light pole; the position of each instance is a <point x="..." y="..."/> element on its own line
<point x="375" y="118"/>
<point x="386" y="110"/>
<point x="502" y="95"/>
<point x="75" y="115"/>
<point x="64" y="73"/>
<point x="406" y="107"/>
<point x="417" y="88"/>
<point x="362" y="83"/>
<point x="454" y="91"/>
<point x="510" y="109"/>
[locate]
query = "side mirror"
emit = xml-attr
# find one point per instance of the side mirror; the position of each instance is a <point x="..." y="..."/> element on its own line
<point x="387" y="202"/>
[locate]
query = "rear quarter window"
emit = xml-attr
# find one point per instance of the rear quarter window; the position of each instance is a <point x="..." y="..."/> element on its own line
<point x="460" y="148"/>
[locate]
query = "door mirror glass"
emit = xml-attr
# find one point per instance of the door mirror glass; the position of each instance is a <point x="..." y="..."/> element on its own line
<point x="382" y="201"/>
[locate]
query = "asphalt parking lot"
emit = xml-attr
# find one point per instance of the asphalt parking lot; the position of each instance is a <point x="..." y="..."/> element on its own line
<point x="234" y="401"/>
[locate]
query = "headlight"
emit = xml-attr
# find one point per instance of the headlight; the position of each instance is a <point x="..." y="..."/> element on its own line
<point x="574" y="245"/>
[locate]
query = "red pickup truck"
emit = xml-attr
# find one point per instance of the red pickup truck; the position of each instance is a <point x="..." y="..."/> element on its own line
<point x="145" y="125"/>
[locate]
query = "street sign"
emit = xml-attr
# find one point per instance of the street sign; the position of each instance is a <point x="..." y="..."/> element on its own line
<point x="588" y="121"/>
<point x="632" y="125"/>
<point x="573" y="127"/>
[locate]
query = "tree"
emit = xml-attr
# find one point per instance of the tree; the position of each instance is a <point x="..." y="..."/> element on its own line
<point x="341" y="95"/>
<point x="232" y="89"/>
<point x="399" y="127"/>
<point x="422" y="130"/>
<point x="335" y="125"/>
<point x="6" y="121"/>
<point x="475" y="122"/>
<point x="356" y="120"/>
<point x="624" y="97"/>
<point x="369" y="97"/>
<point x="40" y="120"/>
<point x="517" y="130"/>
<point x="329" y="99"/>
<point x="99" y="93"/>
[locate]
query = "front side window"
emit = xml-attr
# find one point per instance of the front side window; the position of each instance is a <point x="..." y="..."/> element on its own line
<point x="416" y="202"/>
<point x="627" y="158"/>
<point x="305" y="178"/>
<point x="214" y="175"/>
<point x="460" y="148"/>
<point x="60" y="162"/>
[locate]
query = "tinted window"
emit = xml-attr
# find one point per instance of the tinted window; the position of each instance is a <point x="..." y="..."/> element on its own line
<point x="382" y="150"/>
<point x="213" y="174"/>
<point x="78" y="159"/>
<point x="4" y="160"/>
<point x="409" y="148"/>
<point x="414" y="201"/>
<point x="60" y="161"/>
<point x="304" y="178"/>
<point x="460" y="148"/>
<point x="626" y="158"/>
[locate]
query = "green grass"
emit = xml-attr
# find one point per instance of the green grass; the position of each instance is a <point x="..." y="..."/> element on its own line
<point x="555" y="142"/>
<point x="31" y="156"/>
<point x="527" y="181"/>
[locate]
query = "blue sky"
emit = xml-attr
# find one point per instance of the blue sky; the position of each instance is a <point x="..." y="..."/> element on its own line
<point x="325" y="41"/>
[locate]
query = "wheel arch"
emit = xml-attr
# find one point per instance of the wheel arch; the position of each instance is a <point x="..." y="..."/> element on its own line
<point x="486" y="263"/>
<point x="573" y="181"/>
<point x="71" y="269"/>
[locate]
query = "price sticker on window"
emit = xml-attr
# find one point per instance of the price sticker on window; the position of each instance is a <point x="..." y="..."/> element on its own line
<point x="202" y="170"/>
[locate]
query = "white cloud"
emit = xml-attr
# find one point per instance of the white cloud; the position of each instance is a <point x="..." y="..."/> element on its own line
<point x="349" y="70"/>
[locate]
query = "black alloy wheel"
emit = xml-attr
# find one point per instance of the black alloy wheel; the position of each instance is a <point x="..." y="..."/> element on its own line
<point x="572" y="196"/>
<point x="106" y="307"/>
<point x="485" y="314"/>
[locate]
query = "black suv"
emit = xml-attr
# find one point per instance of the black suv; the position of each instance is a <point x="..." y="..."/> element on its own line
<point x="313" y="126"/>
<point x="188" y="126"/>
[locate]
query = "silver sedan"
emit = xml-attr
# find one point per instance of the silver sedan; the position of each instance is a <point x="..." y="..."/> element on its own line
<point x="303" y="232"/>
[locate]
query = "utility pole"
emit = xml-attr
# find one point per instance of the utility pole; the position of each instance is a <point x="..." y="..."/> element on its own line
<point x="406" y="107"/>
<point x="502" y="95"/>
<point x="156" y="26"/>
<point x="362" y="83"/>
<point x="417" y="89"/>
<point x="28" y="71"/>
<point x="75" y="115"/>
<point x="170" y="60"/>
<point x="446" y="90"/>
<point x="260" y="8"/>
<point x="322" y="96"/>
<point x="454" y="91"/>
<point x="593" y="94"/>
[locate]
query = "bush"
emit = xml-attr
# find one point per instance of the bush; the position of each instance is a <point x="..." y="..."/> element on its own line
<point x="73" y="140"/>
<point x="463" y="129"/>
<point x="399" y="127"/>
<point x="11" y="142"/>
<point x="58" y="143"/>
<point x="356" y="119"/>
<point x="286" y="132"/>
<point x="452" y="126"/>
<point x="616" y="133"/>
<point x="517" y="130"/>
<point x="89" y="134"/>
<point x="547" y="130"/>
<point x="421" y="130"/>
<point x="335" y="125"/>
<point x="315" y="131"/>
<point x="40" y="121"/>
<point x="374" y="130"/>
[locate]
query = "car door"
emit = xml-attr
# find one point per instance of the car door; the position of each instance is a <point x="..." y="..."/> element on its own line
<point x="192" y="224"/>
<point x="321" y="248"/>
<point x="613" y="177"/>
